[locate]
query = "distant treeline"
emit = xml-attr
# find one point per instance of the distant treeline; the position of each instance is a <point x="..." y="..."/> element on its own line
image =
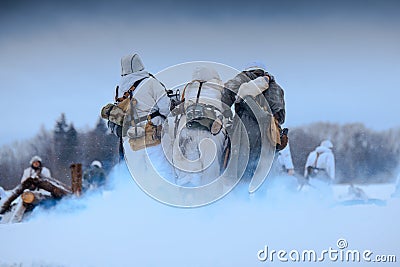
<point x="362" y="155"/>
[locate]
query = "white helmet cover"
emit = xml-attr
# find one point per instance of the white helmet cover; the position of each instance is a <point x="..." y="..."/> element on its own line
<point x="96" y="163"/>
<point x="35" y="158"/>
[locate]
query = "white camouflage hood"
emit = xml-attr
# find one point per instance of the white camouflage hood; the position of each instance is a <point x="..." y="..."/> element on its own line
<point x="322" y="149"/>
<point x="132" y="70"/>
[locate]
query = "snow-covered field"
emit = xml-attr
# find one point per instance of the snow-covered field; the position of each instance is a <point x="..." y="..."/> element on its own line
<point x="122" y="226"/>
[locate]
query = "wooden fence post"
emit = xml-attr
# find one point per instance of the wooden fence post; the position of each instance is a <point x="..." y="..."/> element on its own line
<point x="76" y="177"/>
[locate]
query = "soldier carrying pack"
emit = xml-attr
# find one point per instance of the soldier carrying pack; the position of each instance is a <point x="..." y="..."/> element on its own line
<point x="134" y="108"/>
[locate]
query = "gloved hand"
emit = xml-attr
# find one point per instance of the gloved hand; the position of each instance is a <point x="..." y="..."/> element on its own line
<point x="254" y="87"/>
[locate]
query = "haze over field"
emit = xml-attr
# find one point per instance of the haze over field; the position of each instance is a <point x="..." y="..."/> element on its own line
<point x="125" y="227"/>
<point x="338" y="62"/>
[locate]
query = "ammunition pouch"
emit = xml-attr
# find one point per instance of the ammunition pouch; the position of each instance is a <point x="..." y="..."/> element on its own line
<point x="273" y="132"/>
<point x="151" y="137"/>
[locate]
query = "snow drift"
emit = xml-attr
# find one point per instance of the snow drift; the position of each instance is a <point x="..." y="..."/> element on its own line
<point x="122" y="226"/>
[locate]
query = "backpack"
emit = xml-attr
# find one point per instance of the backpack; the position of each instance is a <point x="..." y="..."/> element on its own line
<point x="115" y="113"/>
<point x="200" y="115"/>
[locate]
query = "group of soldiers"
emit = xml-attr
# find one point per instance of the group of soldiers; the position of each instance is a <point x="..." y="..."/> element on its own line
<point x="252" y="87"/>
<point x="144" y="101"/>
<point x="152" y="105"/>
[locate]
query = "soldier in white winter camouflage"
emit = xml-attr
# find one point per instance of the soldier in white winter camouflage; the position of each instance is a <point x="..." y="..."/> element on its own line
<point x="35" y="170"/>
<point x="94" y="177"/>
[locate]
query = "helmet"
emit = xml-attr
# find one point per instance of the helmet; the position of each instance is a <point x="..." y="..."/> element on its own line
<point x="35" y="158"/>
<point x="96" y="163"/>
<point x="327" y="144"/>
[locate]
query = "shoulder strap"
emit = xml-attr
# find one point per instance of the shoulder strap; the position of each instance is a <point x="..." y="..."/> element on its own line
<point x="316" y="159"/>
<point x="129" y="92"/>
<point x="184" y="91"/>
<point x="116" y="93"/>
<point x="152" y="76"/>
<point x="169" y="92"/>
<point x="134" y="86"/>
<point x="198" y="92"/>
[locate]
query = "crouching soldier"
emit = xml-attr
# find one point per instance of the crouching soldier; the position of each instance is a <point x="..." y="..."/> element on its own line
<point x="36" y="170"/>
<point x="94" y="177"/>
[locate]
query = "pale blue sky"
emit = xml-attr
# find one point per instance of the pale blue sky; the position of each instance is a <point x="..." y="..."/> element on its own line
<point x="337" y="62"/>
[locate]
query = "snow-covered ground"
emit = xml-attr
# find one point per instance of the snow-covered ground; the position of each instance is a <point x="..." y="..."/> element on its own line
<point x="122" y="226"/>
